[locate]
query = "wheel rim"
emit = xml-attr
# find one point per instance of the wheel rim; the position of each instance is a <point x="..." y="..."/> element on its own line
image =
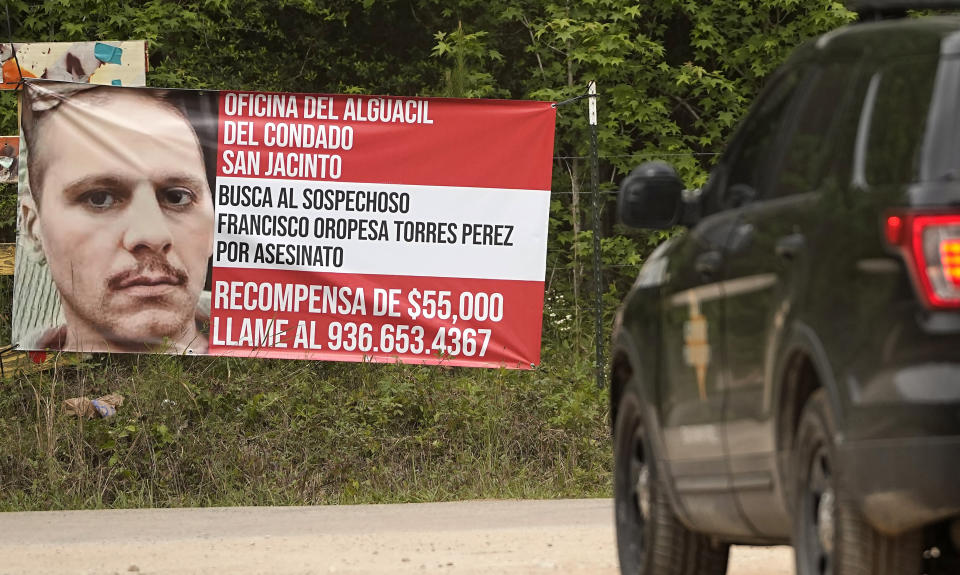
<point x="643" y="492"/>
<point x="640" y="478"/>
<point x="819" y="509"/>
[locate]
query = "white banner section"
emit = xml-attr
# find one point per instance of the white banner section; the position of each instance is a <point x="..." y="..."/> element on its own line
<point x="384" y="229"/>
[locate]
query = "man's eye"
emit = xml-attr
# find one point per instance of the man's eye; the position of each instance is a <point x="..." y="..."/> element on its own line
<point x="177" y="196"/>
<point x="101" y="199"/>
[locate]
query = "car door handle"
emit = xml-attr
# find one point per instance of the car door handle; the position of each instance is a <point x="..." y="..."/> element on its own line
<point x="708" y="264"/>
<point x="789" y="247"/>
<point x="741" y="238"/>
<point x="740" y="195"/>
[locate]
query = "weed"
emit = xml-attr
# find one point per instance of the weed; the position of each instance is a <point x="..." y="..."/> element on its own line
<point x="217" y="431"/>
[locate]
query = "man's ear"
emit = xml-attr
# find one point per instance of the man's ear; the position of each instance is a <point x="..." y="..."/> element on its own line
<point x="31" y="227"/>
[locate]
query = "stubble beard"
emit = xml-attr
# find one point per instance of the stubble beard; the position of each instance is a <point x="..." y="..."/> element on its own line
<point x="126" y="322"/>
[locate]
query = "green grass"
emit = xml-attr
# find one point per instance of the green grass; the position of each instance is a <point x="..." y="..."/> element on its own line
<point x="222" y="431"/>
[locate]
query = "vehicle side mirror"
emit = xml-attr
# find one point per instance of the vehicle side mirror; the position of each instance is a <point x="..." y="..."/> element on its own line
<point x="651" y="197"/>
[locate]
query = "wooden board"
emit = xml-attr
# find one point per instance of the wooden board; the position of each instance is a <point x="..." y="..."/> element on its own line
<point x="7" y="253"/>
<point x="20" y="362"/>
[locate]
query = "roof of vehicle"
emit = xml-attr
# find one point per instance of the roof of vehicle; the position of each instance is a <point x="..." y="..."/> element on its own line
<point x="886" y="39"/>
<point x="900" y="5"/>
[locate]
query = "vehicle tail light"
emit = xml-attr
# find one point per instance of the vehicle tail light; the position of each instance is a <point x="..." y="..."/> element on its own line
<point x="950" y="256"/>
<point x="931" y="245"/>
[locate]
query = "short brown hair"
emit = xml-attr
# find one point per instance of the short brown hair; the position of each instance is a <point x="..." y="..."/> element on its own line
<point x="42" y="100"/>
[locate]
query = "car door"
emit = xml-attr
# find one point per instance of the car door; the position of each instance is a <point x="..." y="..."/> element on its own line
<point x="690" y="389"/>
<point x="766" y="269"/>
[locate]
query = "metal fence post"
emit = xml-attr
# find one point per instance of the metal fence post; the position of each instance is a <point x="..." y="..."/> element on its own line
<point x="597" y="209"/>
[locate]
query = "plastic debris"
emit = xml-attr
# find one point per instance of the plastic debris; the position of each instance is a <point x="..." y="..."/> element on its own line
<point x="105" y="406"/>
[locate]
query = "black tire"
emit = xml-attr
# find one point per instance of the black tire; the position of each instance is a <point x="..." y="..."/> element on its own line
<point x="652" y="542"/>
<point x="830" y="535"/>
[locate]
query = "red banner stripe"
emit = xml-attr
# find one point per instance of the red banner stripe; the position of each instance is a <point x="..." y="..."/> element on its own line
<point x="468" y="143"/>
<point x="418" y="320"/>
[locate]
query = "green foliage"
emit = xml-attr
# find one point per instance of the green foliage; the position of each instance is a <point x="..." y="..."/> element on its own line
<point x="204" y="431"/>
<point x="8" y="212"/>
<point x="674" y="78"/>
<point x="463" y="81"/>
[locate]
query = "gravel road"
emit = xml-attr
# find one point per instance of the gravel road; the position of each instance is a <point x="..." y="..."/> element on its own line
<point x="562" y="537"/>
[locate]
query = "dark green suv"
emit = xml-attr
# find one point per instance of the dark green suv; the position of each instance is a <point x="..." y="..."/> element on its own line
<point x="787" y="368"/>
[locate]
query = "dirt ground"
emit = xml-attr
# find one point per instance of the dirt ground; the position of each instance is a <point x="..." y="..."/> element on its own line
<point x="569" y="537"/>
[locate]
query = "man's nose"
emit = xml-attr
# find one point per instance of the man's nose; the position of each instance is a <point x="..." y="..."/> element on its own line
<point x="147" y="227"/>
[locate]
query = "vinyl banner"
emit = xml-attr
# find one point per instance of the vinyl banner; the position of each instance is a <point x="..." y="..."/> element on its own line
<point x="301" y="226"/>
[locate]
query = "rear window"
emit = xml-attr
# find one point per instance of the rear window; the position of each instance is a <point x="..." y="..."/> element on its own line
<point x="810" y="145"/>
<point x="894" y="121"/>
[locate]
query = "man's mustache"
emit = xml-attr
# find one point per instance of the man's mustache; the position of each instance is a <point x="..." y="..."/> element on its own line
<point x="152" y="270"/>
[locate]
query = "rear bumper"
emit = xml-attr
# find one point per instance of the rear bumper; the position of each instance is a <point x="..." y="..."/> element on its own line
<point x="901" y="427"/>
<point x="903" y="484"/>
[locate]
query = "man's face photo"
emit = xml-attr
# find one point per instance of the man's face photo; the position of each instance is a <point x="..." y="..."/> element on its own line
<point x="122" y="210"/>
